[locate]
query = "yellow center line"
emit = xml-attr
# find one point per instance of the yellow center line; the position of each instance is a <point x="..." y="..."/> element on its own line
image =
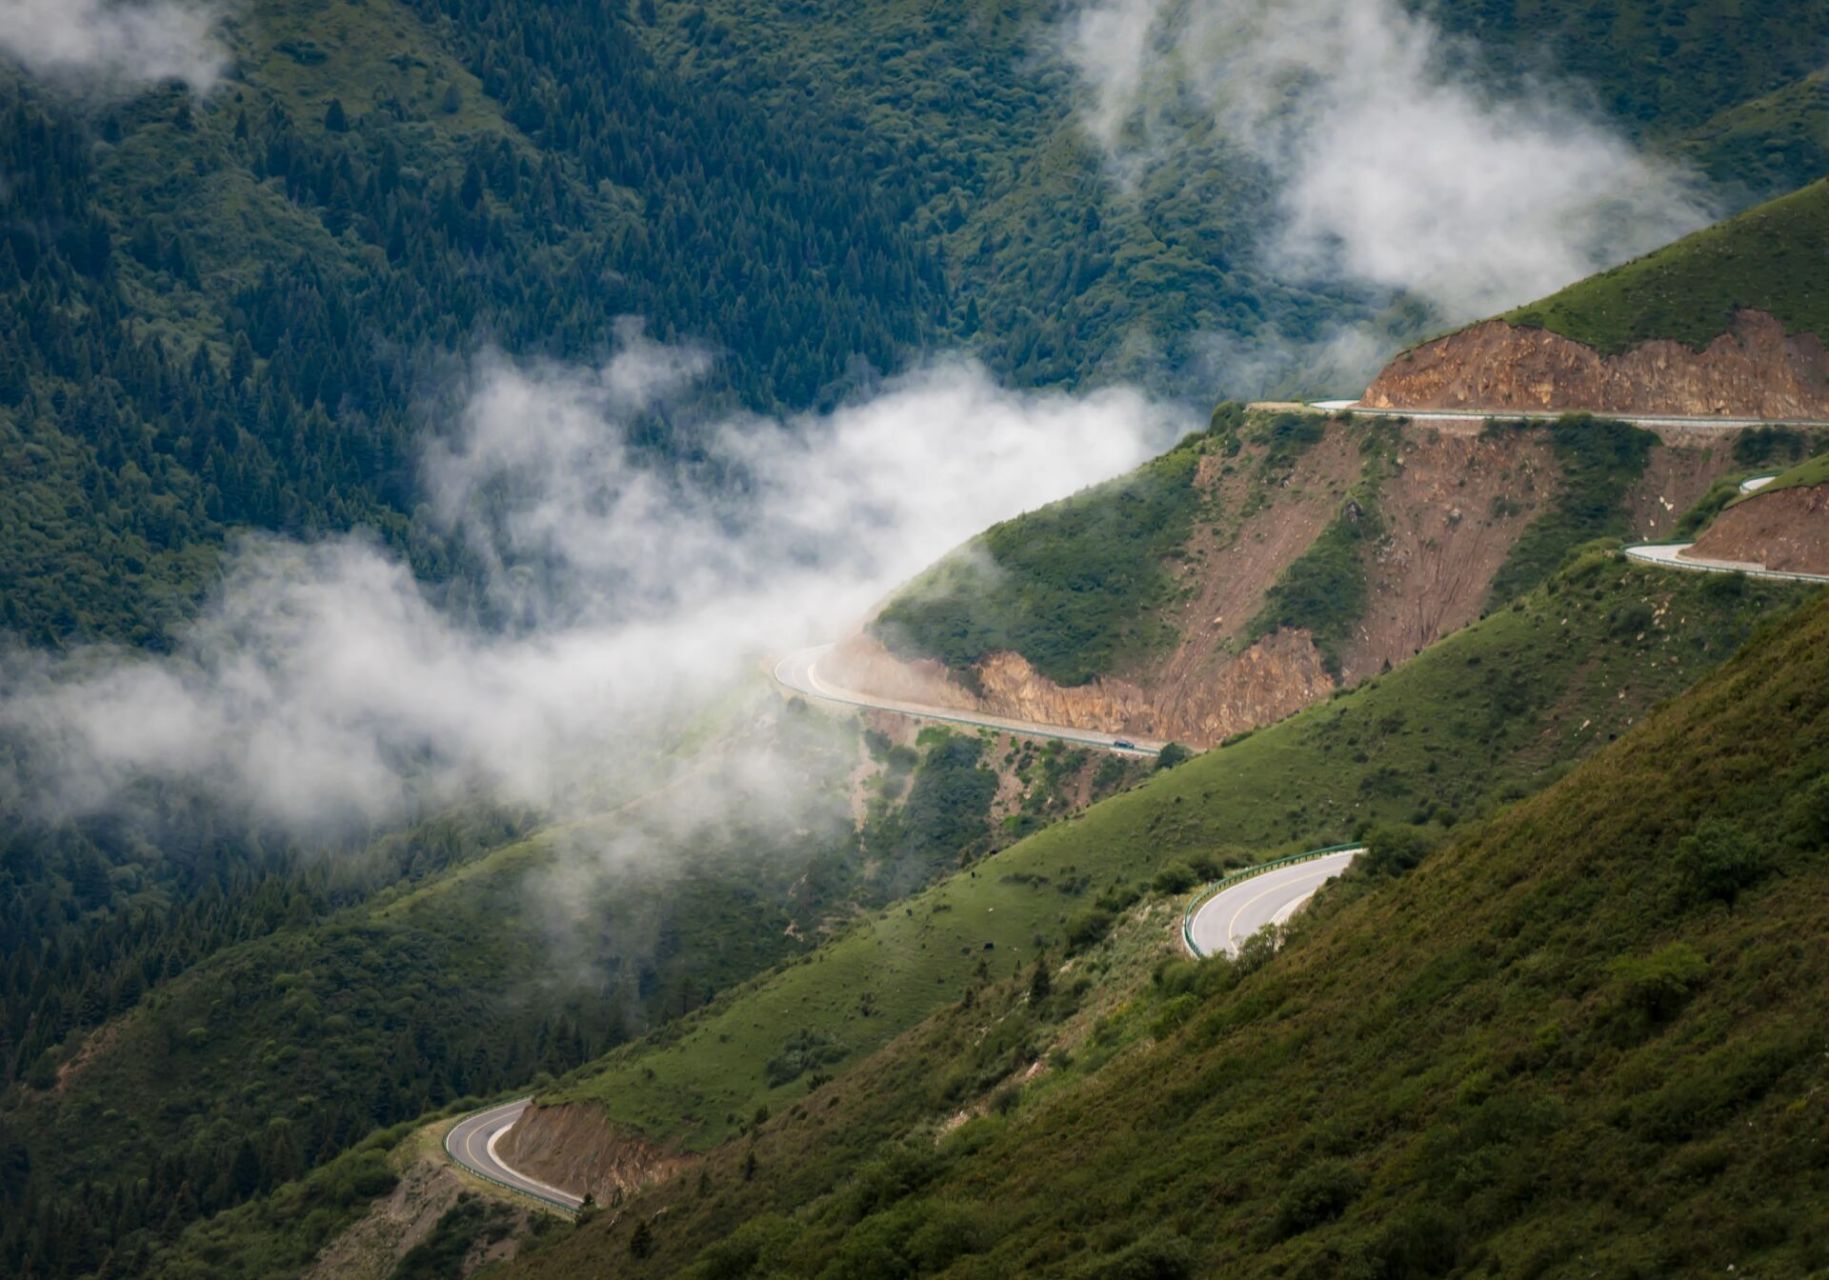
<point x="1232" y="926"/>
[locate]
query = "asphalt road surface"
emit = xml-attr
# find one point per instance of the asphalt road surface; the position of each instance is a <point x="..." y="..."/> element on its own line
<point x="472" y="1144"/>
<point x="1667" y="555"/>
<point x="1223" y="922"/>
<point x="1551" y="415"/>
<point x="800" y="672"/>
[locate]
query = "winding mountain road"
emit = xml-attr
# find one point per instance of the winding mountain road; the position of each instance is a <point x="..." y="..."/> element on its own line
<point x="799" y="672"/>
<point x="471" y="1143"/>
<point x="1670" y="556"/>
<point x="1551" y="415"/>
<point x="1222" y="924"/>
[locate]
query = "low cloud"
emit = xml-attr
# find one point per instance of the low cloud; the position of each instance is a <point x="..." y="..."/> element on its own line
<point x="323" y="685"/>
<point x="109" y="46"/>
<point x="1396" y="165"/>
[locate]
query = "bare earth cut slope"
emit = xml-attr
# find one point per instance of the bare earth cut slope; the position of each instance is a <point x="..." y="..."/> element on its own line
<point x="1729" y="322"/>
<point x="1786" y="531"/>
<point x="1439" y="512"/>
<point x="1755" y="370"/>
<point x="579" y="1148"/>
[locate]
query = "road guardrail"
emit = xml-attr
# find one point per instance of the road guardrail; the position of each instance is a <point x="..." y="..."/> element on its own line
<point x="1693" y="566"/>
<point x="1218" y="887"/>
<point x="474" y="1172"/>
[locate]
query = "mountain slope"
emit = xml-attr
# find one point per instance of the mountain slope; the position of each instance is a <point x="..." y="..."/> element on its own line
<point x="1704" y="77"/>
<point x="1730" y="321"/>
<point x="1488" y="709"/>
<point x="1768" y="259"/>
<point x="1582" y="1037"/>
<point x="233" y="311"/>
<point x="377" y="187"/>
<point x="1783" y="525"/>
<point x="1258" y="567"/>
<point x="202" y="1059"/>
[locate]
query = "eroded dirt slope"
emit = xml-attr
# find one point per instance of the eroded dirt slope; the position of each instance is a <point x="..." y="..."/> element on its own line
<point x="1453" y="501"/>
<point x="1754" y="371"/>
<point x="576" y="1147"/>
<point x="1787" y="530"/>
<point x="1452" y="508"/>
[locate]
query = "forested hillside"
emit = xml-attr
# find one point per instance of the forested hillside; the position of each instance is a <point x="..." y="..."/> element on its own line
<point x="172" y="1061"/>
<point x="232" y="311"/>
<point x="229" y="310"/>
<point x="1707" y="76"/>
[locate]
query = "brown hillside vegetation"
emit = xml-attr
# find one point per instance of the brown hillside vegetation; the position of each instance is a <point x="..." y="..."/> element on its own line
<point x="1787" y="530"/>
<point x="1452" y="502"/>
<point x="1755" y="371"/>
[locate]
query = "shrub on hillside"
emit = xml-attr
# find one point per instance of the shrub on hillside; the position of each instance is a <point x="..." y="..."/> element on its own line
<point x="1392" y="849"/>
<point x="1317" y="1194"/>
<point x="1088" y="928"/>
<point x="1177" y="877"/>
<point x="1171" y="755"/>
<point x="1716" y="861"/>
<point x="1651" y="990"/>
<point x="1160" y="1255"/>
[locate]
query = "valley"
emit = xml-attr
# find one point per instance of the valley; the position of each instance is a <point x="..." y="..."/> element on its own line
<point x="723" y="638"/>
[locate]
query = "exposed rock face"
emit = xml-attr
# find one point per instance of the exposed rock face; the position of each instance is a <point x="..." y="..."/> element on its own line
<point x="575" y="1146"/>
<point x="1754" y="371"/>
<point x="1275" y="677"/>
<point x="1787" y="531"/>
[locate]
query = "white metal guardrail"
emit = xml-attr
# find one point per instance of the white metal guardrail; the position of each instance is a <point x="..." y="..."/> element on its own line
<point x="1218" y="887"/>
<point x="506" y="1186"/>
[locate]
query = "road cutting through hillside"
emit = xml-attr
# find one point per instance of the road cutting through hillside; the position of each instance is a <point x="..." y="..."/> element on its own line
<point x="1548" y="415"/>
<point x="1670" y="555"/>
<point x="471" y="1143"/>
<point x="799" y="672"/>
<point x="1221" y="924"/>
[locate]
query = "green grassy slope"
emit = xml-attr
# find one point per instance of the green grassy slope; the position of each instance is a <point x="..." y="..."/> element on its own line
<point x="1770" y="258"/>
<point x="1484" y="713"/>
<point x="1584" y="1037"/>
<point x="1076" y="587"/>
<point x="1813" y="471"/>
<point x="1600" y="460"/>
